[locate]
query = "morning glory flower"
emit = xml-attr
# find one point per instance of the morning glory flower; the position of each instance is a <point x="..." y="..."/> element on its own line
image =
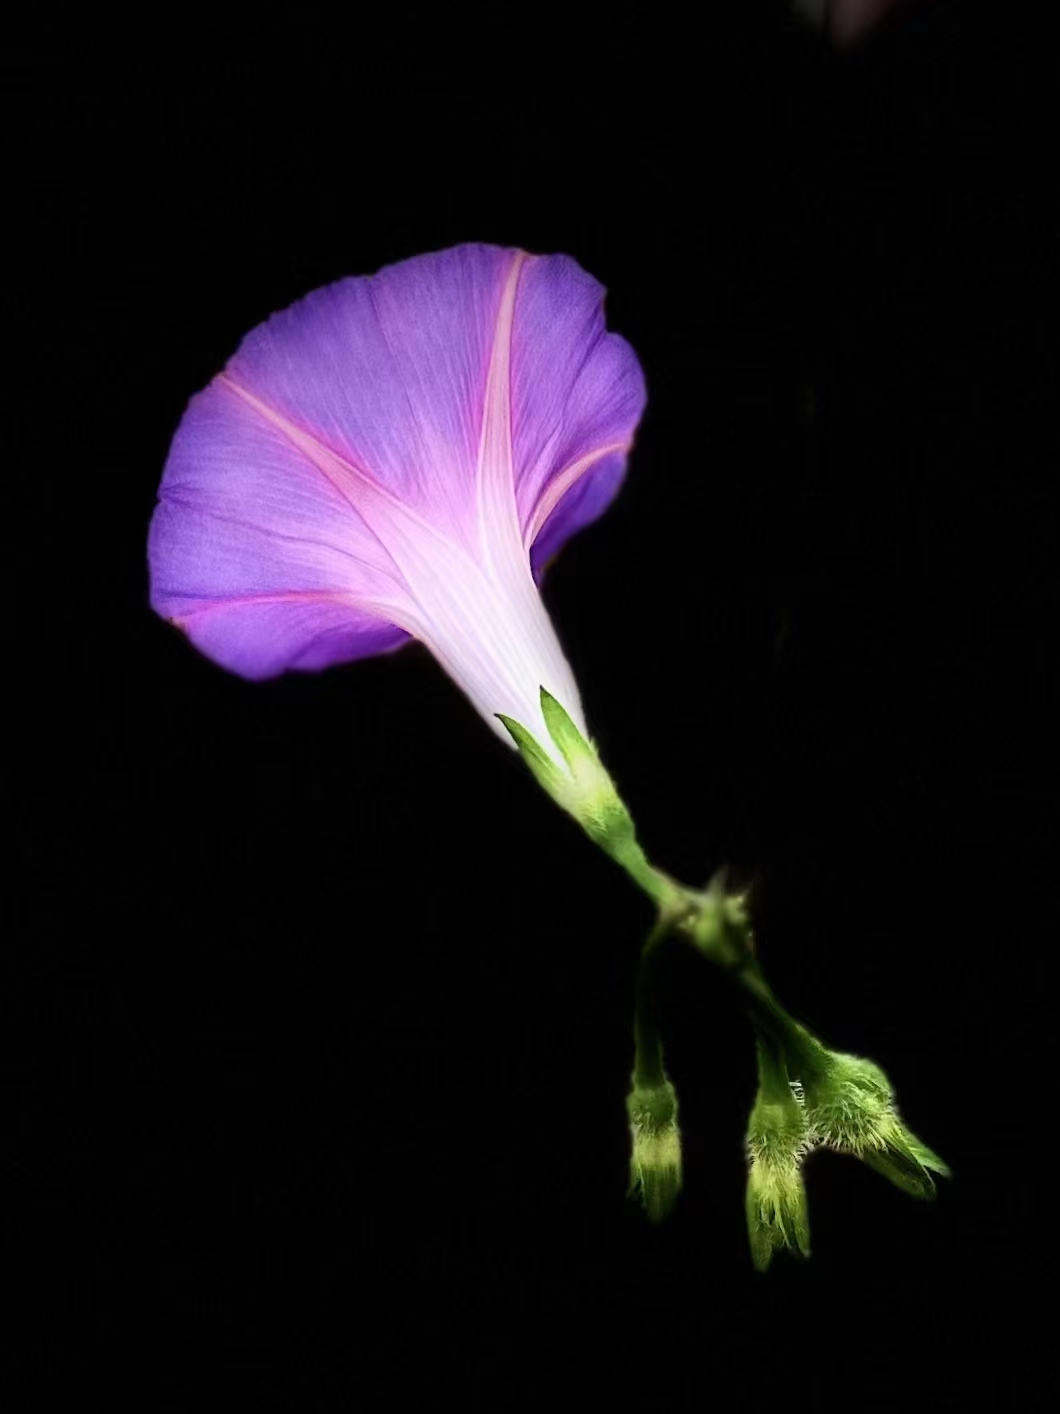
<point x="398" y="456"/>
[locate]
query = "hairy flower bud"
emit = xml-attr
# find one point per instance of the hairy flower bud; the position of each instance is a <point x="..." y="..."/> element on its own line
<point x="778" y="1140"/>
<point x="655" y="1163"/>
<point x="850" y="1107"/>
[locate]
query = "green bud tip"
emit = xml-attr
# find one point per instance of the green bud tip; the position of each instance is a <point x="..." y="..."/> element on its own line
<point x="655" y="1163"/>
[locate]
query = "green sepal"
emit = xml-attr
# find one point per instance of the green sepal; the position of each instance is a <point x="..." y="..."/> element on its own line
<point x="584" y="789"/>
<point x="774" y="1226"/>
<point x="572" y="745"/>
<point x="586" y="792"/>
<point x="598" y="807"/>
<point x="544" y="769"/>
<point x="907" y="1162"/>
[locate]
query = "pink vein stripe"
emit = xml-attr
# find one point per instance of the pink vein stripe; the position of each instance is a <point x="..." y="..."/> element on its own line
<point x="293" y="596"/>
<point x="561" y="484"/>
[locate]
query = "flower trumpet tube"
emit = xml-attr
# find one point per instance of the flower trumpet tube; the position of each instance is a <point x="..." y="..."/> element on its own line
<point x="398" y="456"/>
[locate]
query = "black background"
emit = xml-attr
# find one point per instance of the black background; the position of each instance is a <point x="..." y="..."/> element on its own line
<point x="318" y="1012"/>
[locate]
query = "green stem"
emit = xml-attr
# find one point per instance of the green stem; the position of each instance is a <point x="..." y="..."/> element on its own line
<point x="773" y="1075"/>
<point x="648" y="1070"/>
<point x="730" y="949"/>
<point x="725" y="940"/>
<point x="802" y="1053"/>
<point x="661" y="889"/>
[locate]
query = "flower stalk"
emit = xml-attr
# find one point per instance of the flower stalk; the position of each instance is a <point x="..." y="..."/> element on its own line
<point x="655" y="1161"/>
<point x="809" y="1096"/>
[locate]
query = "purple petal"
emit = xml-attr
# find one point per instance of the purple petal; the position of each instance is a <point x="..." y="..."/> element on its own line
<point x="389" y="370"/>
<point x="577" y="396"/>
<point x="257" y="555"/>
<point x="586" y="500"/>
